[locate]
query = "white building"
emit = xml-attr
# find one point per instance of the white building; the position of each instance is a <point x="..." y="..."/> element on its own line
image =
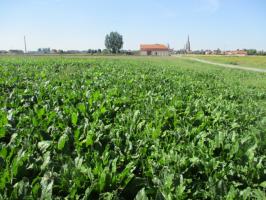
<point x="154" y="50"/>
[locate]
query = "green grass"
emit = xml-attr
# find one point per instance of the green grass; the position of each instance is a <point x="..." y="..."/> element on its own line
<point x="130" y="127"/>
<point x="245" y="61"/>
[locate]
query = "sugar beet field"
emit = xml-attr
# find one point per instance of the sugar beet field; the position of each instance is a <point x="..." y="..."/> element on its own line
<point x="130" y="128"/>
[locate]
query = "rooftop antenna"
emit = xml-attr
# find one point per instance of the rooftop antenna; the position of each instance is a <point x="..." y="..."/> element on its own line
<point x="25" y="45"/>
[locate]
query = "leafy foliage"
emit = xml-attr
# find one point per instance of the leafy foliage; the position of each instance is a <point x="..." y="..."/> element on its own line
<point x="114" y="42"/>
<point x="99" y="128"/>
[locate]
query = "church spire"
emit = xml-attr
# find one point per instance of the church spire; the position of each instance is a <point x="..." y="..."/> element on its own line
<point x="188" y="44"/>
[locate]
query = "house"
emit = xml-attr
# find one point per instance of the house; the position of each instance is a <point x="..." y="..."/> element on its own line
<point x="154" y="50"/>
<point x="236" y="53"/>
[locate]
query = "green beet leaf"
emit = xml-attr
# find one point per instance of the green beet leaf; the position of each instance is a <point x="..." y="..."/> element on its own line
<point x="62" y="141"/>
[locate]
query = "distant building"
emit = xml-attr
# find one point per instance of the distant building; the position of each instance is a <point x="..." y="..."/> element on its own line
<point x="213" y="52"/>
<point x="32" y="52"/>
<point x="3" y="52"/>
<point x="54" y="51"/>
<point x="15" y="51"/>
<point x="72" y="52"/>
<point x="208" y="52"/>
<point x="44" y="50"/>
<point x="154" y="50"/>
<point x="236" y="53"/>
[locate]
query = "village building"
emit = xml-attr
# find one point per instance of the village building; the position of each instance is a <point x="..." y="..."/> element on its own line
<point x="3" y="52"/>
<point x="15" y="51"/>
<point x="154" y="50"/>
<point x="236" y="53"/>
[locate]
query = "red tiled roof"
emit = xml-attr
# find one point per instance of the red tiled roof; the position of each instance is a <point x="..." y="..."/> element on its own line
<point x="153" y="47"/>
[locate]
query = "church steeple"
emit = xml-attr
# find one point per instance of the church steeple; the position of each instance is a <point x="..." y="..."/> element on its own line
<point x="188" y="45"/>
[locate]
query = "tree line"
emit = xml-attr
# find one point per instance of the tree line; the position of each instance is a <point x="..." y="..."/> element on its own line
<point x="255" y="52"/>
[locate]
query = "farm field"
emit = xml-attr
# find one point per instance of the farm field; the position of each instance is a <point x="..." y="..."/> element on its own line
<point x="130" y="128"/>
<point x="245" y="61"/>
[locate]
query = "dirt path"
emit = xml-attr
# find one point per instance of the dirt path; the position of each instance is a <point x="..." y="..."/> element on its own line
<point x="224" y="65"/>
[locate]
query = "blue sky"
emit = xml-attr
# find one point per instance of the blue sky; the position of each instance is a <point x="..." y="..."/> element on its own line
<point x="83" y="24"/>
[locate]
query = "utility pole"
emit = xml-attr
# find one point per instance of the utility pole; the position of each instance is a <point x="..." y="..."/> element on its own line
<point x="25" y="45"/>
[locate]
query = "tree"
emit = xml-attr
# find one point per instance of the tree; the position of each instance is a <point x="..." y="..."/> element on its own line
<point x="252" y="51"/>
<point x="114" y="42"/>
